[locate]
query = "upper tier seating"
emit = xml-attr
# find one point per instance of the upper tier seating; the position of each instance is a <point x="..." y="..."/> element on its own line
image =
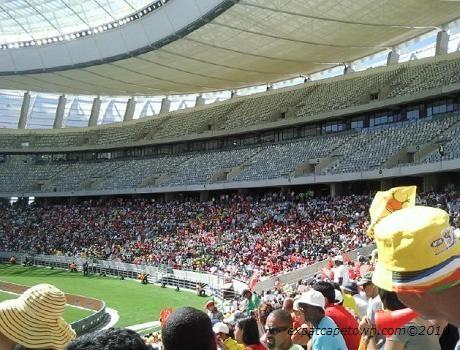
<point x="303" y="101"/>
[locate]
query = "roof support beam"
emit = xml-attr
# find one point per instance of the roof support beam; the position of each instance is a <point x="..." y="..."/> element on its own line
<point x="24" y="111"/>
<point x="129" y="111"/>
<point x="95" y="110"/>
<point x="165" y="105"/>
<point x="442" y="43"/>
<point x="393" y="57"/>
<point x="199" y="101"/>
<point x="60" y="112"/>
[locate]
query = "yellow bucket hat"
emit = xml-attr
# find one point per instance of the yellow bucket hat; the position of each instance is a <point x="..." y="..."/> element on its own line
<point x="418" y="250"/>
<point x="35" y="321"/>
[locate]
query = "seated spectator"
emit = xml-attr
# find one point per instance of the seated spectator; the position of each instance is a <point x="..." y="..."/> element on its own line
<point x="223" y="337"/>
<point x="374" y="305"/>
<point x="278" y="331"/>
<point x="341" y="316"/>
<point x="214" y="314"/>
<point x="13" y="260"/>
<point x="251" y="301"/>
<point x="188" y="329"/>
<point x="359" y="302"/>
<point x="109" y="339"/>
<point x="340" y="271"/>
<point x="325" y="333"/>
<point x="34" y="320"/>
<point x="247" y="333"/>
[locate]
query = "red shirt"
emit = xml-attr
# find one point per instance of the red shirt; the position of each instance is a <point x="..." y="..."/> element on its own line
<point x="255" y="347"/>
<point x="346" y="323"/>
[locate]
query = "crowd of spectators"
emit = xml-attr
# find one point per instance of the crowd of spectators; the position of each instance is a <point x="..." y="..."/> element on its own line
<point x="237" y="235"/>
<point x="233" y="234"/>
<point x="201" y="234"/>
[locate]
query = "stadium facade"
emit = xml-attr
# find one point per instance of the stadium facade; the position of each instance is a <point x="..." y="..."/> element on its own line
<point x="386" y="125"/>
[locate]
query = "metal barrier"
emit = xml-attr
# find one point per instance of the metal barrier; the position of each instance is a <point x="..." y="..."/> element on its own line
<point x="177" y="278"/>
<point x="184" y="279"/>
<point x="117" y="269"/>
<point x="92" y="322"/>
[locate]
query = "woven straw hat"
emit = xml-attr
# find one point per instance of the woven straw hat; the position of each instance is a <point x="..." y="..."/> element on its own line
<point x="35" y="321"/>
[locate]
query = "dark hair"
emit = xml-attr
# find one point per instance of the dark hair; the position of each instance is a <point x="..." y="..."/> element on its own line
<point x="283" y="316"/>
<point x="327" y="290"/>
<point x="390" y="300"/>
<point x="109" y="339"/>
<point x="264" y="311"/>
<point x="188" y="329"/>
<point x="250" y="331"/>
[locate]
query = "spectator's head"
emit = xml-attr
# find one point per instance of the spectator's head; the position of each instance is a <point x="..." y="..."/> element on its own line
<point x="288" y="304"/>
<point x="109" y="339"/>
<point x="312" y="305"/>
<point x="327" y="290"/>
<point x="429" y="284"/>
<point x="338" y="260"/>
<point x="188" y="329"/>
<point x="350" y="288"/>
<point x="246" y="294"/>
<point x="34" y="320"/>
<point x="221" y="330"/>
<point x="246" y="331"/>
<point x="390" y="300"/>
<point x="277" y="335"/>
<point x="264" y="310"/>
<point x="210" y="305"/>
<point x="368" y="286"/>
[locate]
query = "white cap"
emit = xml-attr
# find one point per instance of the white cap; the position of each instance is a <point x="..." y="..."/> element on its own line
<point x="338" y="296"/>
<point x="220" y="327"/>
<point x="312" y="297"/>
<point x="338" y="258"/>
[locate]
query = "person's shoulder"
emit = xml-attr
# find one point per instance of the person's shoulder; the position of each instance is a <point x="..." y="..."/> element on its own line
<point x="327" y="322"/>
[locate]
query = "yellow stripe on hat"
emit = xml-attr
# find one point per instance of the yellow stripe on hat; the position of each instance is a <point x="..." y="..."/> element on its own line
<point x="34" y="319"/>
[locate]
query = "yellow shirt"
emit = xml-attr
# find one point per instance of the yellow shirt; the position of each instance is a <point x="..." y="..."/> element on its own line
<point x="350" y="303"/>
<point x="232" y="344"/>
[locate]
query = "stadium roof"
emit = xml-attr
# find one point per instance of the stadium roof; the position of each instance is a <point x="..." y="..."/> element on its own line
<point x="198" y="46"/>
<point x="25" y="20"/>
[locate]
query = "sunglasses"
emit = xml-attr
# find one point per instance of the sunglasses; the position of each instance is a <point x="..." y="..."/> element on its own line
<point x="275" y="330"/>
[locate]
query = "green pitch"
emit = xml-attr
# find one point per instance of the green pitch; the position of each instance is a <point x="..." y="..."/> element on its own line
<point x="71" y="314"/>
<point x="135" y="303"/>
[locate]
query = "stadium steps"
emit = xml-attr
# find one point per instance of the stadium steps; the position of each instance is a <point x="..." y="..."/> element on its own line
<point x="324" y="163"/>
<point x="335" y="157"/>
<point x="444" y="138"/>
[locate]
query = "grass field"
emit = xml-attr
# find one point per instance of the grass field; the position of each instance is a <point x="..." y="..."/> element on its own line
<point x="71" y="314"/>
<point x="135" y="303"/>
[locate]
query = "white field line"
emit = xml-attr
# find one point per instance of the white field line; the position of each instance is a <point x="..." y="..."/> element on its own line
<point x="141" y="326"/>
<point x="114" y="317"/>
